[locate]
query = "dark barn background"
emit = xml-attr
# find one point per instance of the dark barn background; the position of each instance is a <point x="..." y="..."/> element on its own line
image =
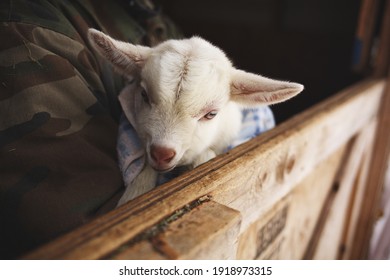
<point x="310" y="42"/>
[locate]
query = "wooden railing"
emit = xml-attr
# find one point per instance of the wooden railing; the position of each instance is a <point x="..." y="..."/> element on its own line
<point x="293" y="192"/>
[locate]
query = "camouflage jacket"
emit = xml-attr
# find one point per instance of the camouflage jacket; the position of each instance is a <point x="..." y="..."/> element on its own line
<point x="59" y="113"/>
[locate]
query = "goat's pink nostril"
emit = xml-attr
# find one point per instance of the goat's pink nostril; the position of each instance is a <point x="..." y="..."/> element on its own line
<point x="162" y="154"/>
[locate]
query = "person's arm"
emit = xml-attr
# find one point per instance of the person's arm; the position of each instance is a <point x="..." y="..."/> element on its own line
<point x="57" y="137"/>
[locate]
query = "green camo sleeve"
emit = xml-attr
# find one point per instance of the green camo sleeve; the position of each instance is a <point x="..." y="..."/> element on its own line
<point x="57" y="137"/>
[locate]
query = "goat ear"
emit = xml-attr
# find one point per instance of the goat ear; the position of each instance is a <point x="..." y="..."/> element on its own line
<point x="251" y="89"/>
<point x="126" y="58"/>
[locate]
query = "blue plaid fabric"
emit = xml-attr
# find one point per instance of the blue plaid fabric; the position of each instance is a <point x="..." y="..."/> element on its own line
<point x="254" y="122"/>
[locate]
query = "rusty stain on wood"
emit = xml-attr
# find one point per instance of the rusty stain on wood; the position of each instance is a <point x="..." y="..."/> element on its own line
<point x="160" y="227"/>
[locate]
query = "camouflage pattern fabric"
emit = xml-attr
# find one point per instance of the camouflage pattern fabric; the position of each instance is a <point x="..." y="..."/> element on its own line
<point x="59" y="114"/>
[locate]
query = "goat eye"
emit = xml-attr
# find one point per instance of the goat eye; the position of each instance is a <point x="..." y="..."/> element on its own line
<point x="145" y="97"/>
<point x="210" y="115"/>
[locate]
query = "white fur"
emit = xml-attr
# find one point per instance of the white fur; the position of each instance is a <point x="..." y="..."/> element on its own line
<point x="184" y="80"/>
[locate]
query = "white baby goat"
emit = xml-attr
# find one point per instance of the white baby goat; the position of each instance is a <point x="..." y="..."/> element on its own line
<point x="188" y="109"/>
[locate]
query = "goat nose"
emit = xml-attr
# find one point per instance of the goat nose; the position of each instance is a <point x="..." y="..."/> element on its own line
<point x="162" y="154"/>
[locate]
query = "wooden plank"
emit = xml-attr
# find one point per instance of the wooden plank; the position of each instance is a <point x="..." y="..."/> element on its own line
<point x="142" y="250"/>
<point x="327" y="205"/>
<point x="285" y="230"/>
<point x="207" y="232"/>
<point x="202" y="233"/>
<point x="370" y="207"/>
<point x="380" y="242"/>
<point x="357" y="196"/>
<point x="331" y="237"/>
<point x="250" y="178"/>
<point x="308" y="201"/>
